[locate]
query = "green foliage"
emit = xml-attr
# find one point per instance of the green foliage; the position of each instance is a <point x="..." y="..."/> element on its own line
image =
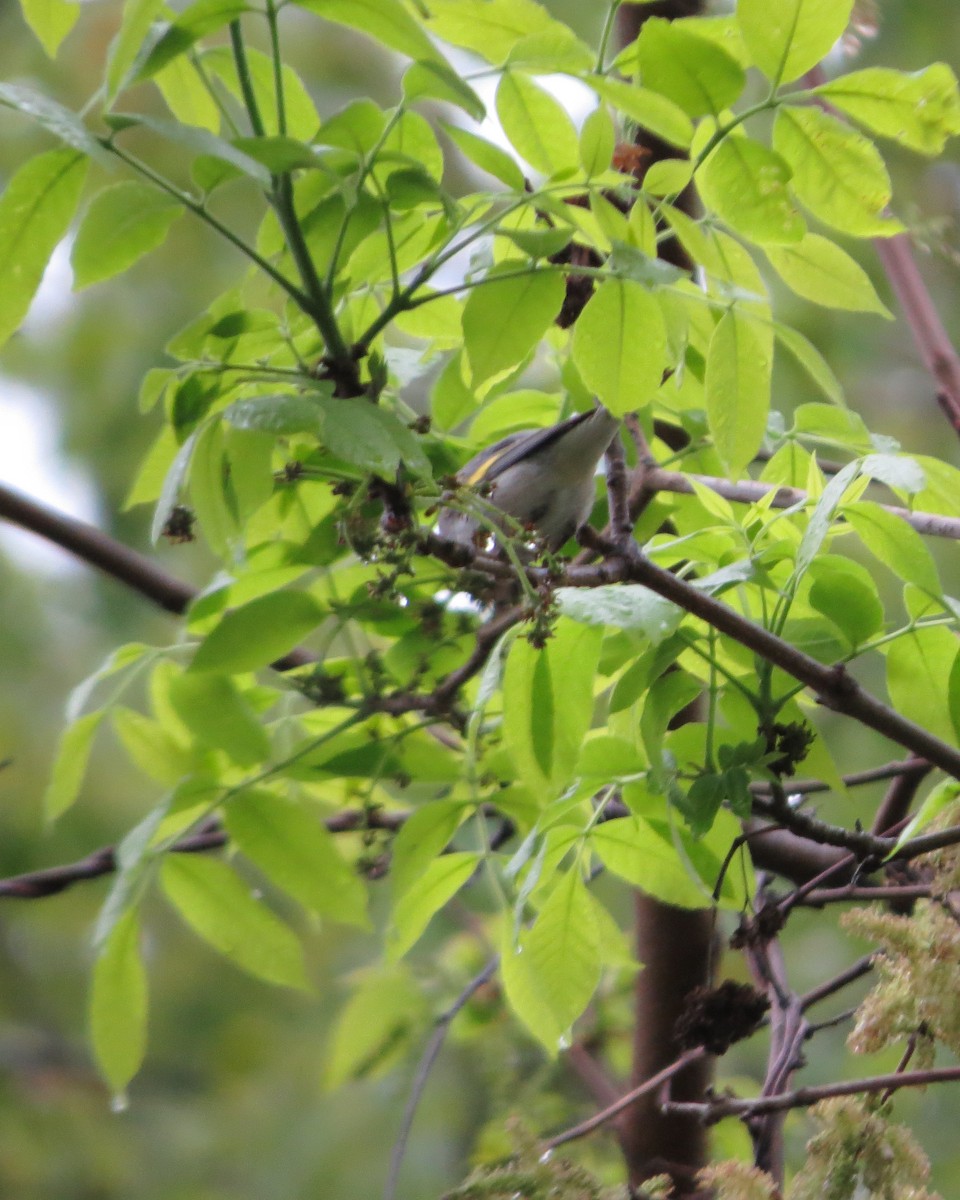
<point x="622" y="735"/>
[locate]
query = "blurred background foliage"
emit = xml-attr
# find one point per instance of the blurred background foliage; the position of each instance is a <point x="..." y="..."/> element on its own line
<point x="231" y="1102"/>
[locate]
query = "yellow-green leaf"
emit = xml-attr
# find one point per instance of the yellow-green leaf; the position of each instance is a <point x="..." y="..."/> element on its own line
<point x="219" y="907"/>
<point x="817" y="269"/>
<point x="620" y="345"/>
<point x="738" y="389"/>
<point x="118" y="1004"/>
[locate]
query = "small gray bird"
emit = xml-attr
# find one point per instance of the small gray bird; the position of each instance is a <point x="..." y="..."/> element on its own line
<point x="544" y="479"/>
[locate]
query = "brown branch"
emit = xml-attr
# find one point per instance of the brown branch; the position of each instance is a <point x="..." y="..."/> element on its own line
<point x="93" y="546"/>
<point x="818" y="897"/>
<point x="612" y="1110"/>
<point x="98" y="549"/>
<point x="656" y="479"/>
<point x="833" y="686"/>
<point x="34" y="885"/>
<point x="899" y="797"/>
<point x="802" y="787"/>
<point x="720" y="1107"/>
<point x="852" y="973"/>
<point x="620" y="523"/>
<point x="936" y="351"/>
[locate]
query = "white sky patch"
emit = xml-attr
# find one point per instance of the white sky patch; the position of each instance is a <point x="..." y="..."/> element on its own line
<point x="578" y="100"/>
<point x="30" y="458"/>
<point x="30" y="462"/>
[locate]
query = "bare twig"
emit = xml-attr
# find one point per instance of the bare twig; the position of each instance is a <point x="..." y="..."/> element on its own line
<point x="424" y="1067"/>
<point x="612" y="1110"/>
<point x="852" y="973"/>
<point x="720" y="1107"/>
<point x="655" y="479"/>
<point x="34" y="885"/>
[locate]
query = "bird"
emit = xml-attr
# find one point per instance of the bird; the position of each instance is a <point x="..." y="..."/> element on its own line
<point x="542" y="478"/>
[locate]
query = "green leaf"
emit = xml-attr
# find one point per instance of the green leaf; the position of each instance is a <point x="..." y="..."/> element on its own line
<point x="668" y="695"/>
<point x="548" y="705"/>
<point x="282" y="413"/>
<point x="437" y="81"/>
<point x="817" y="269"/>
<point x="503" y="320"/>
<point x="138" y="16"/>
<point x="812" y="361"/>
<point x="70" y="764"/>
<point x="423" y="836"/>
<point x="648" y="108"/>
<point x="844" y="591"/>
<point x="491" y="28"/>
<point x="196" y="141"/>
<point x="824" y="422"/>
<point x="895" y="543"/>
<point x="837" y="173"/>
<point x="620" y="345"/>
<point x="374" y="1026"/>
<point x="121" y="225"/>
<point x="692" y="72"/>
<point x="554" y="50"/>
<point x="598" y="139"/>
<point x="188" y="97"/>
<point x="440" y="881"/>
<point x="623" y="606"/>
<point x="822" y="517"/>
<point x="646" y="857"/>
<point x="118" y="1004"/>
<point x="919" y="110"/>
<point x="537" y="125"/>
<point x="487" y="156"/>
<point x="287" y="840"/>
<point x="942" y="796"/>
<point x="257" y="633"/>
<point x="361" y="433"/>
<point x="208" y="478"/>
<point x="219" y="908"/>
<point x="919" y="665"/>
<point x="50" y="20"/>
<point x="746" y="184"/>
<point x="278" y="154"/>
<point x="666" y="861"/>
<point x="35" y="212"/>
<point x="299" y="110"/>
<point x="737" y="390"/>
<point x="788" y="38"/>
<point x="199" y="19"/>
<point x="901" y="472"/>
<point x="65" y="125"/>
<point x="386" y="20"/>
<point x="552" y="972"/>
<point x="160" y="753"/>
<point x="215" y="712"/>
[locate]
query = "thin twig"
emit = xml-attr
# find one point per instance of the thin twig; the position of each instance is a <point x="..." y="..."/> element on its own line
<point x="656" y="479"/>
<point x="424" y="1067"/>
<point x="608" y="1113"/>
<point x="717" y="1109"/>
<point x="34" y="885"/>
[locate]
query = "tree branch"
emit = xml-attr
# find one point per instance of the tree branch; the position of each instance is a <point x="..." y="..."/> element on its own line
<point x="98" y="549"/>
<point x="720" y="1107"/>
<point x="656" y="479"/>
<point x="612" y="1110"/>
<point x="34" y="885"/>
<point x="833" y="686"/>
<point x="422" y="1074"/>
